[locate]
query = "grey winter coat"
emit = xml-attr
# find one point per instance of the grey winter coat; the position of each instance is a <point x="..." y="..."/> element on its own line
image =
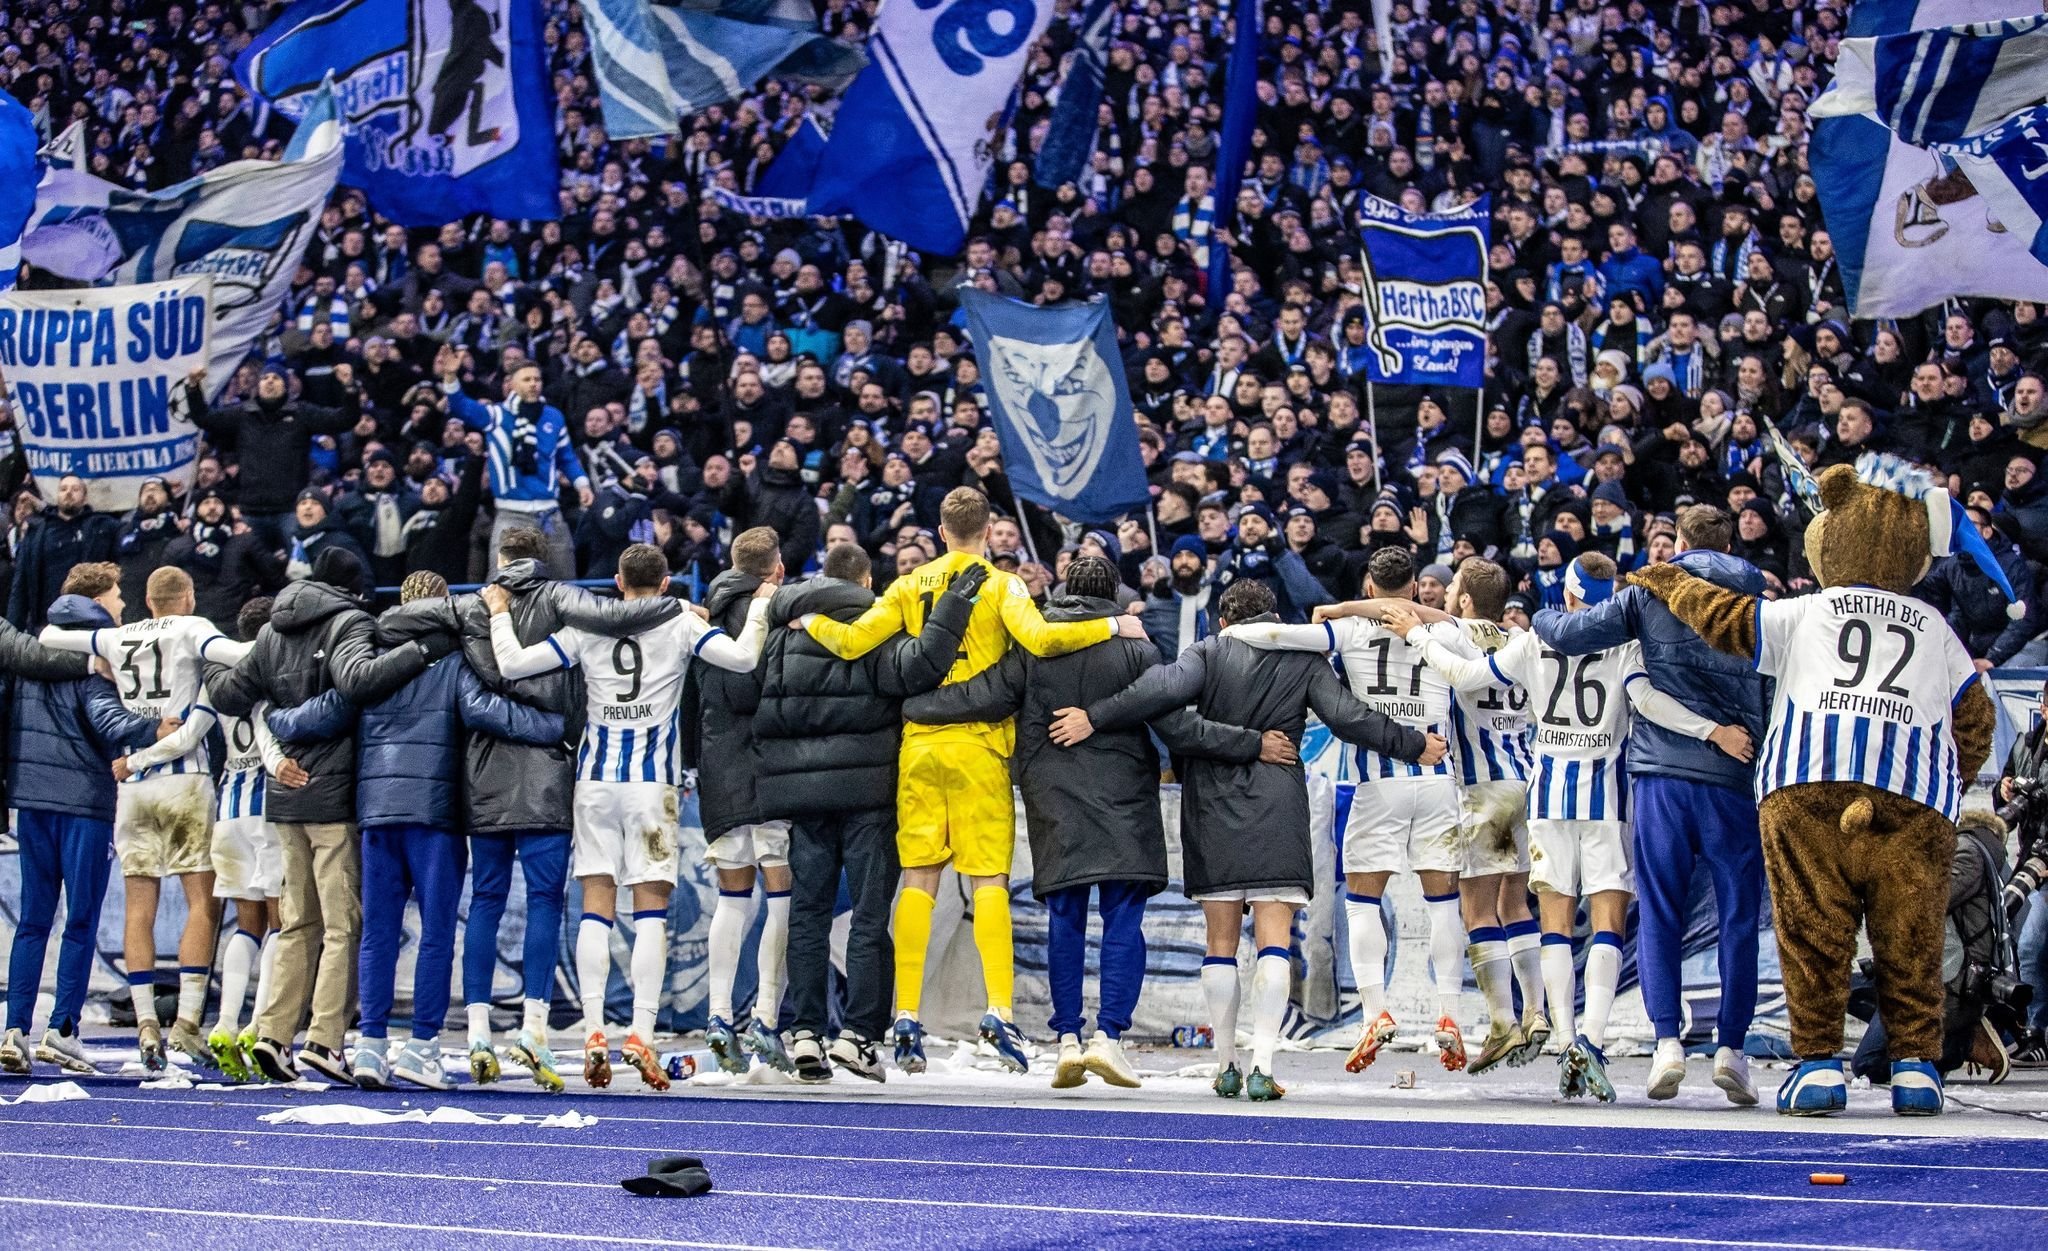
<point x="1245" y="826"/>
<point x="1092" y="811"/>
<point x="514" y="787"/>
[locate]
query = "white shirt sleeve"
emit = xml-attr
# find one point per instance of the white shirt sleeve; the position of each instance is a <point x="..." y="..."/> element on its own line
<point x="1271" y="636"/>
<point x="556" y="651"/>
<point x="216" y="647"/>
<point x="198" y="722"/>
<point x="1468" y="673"/>
<point x="714" y="646"/>
<point x="266" y="742"/>
<point x="84" y="642"/>
<point x="1656" y="706"/>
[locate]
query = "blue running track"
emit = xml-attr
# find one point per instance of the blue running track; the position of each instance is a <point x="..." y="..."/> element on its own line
<point x="198" y="1169"/>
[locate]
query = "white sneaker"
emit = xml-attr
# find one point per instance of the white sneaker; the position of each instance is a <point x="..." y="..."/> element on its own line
<point x="1105" y="1058"/>
<point x="13" y="1052"/>
<point x="65" y="1051"/>
<point x="1667" y="1070"/>
<point x="1072" y="1068"/>
<point x="1731" y="1073"/>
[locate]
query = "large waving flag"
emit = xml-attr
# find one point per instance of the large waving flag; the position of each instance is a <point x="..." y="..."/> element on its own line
<point x="17" y="183"/>
<point x="1234" y="145"/>
<point x="659" y="63"/>
<point x="915" y="136"/>
<point x="446" y="103"/>
<point x="1060" y="403"/>
<point x="246" y="224"/>
<point x="786" y="183"/>
<point x="1070" y="136"/>
<point x="1928" y="157"/>
<point x="1425" y="293"/>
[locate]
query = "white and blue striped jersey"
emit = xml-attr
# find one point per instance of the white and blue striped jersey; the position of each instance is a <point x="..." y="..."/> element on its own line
<point x="632" y="686"/>
<point x="1385" y="671"/>
<point x="1867" y="681"/>
<point x="158" y="667"/>
<point x="1490" y="726"/>
<point x="252" y="752"/>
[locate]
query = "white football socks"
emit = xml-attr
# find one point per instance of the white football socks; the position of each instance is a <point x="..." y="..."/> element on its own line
<point x="650" y="959"/>
<point x="236" y="964"/>
<point x="1603" y="973"/>
<point x="1269" y="1004"/>
<point x="771" y="958"/>
<point x="593" y="968"/>
<point x="1368" y="945"/>
<point x="1219" y="989"/>
<point x="1558" y="978"/>
<point x="731" y="917"/>
<point x="1525" y="946"/>
<point x="1446" y="951"/>
<point x="1492" y="970"/>
<point x="267" y="971"/>
<point x="479" y="1015"/>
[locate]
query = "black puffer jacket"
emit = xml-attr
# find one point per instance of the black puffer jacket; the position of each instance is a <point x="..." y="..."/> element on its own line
<point x="318" y="639"/>
<point x="718" y="740"/>
<point x="270" y="441"/>
<point x="826" y="730"/>
<point x="513" y="786"/>
<point x="65" y="725"/>
<point x="1093" y="811"/>
<point x="1245" y="826"/>
<point x="778" y="499"/>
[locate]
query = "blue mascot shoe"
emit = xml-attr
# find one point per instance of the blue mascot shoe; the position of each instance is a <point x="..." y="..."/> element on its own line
<point x="1916" y="1088"/>
<point x="1815" y="1088"/>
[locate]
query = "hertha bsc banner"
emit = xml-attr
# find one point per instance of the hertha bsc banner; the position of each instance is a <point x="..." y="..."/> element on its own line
<point x="1425" y="294"/>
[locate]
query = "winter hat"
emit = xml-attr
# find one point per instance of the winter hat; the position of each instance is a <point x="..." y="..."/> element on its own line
<point x="1107" y="542"/>
<point x="339" y="568"/>
<point x="1457" y="460"/>
<point x="1260" y="511"/>
<point x="1614" y="359"/>
<point x="1660" y="370"/>
<point x="1567" y="546"/>
<point x="1441" y="573"/>
<point x="1192" y="544"/>
<point x="1326" y="482"/>
<point x="1612" y="493"/>
<point x="1632" y="395"/>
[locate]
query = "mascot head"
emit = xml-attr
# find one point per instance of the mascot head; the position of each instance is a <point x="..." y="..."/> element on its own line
<point x="1883" y="522"/>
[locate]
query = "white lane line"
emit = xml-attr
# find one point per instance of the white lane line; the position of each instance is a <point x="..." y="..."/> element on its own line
<point x="609" y="1240"/>
<point x="1137" y="1213"/>
<point x="1831" y="1162"/>
<point x="1197" y="1174"/>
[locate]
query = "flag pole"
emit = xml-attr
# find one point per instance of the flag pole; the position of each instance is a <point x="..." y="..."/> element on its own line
<point x="1023" y="522"/>
<point x="1372" y="422"/>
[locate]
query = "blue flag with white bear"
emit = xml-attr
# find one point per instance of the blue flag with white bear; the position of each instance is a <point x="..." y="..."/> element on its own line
<point x="1058" y="398"/>
<point x="1425" y="294"/>
<point x="18" y="143"/>
<point x="446" y="105"/>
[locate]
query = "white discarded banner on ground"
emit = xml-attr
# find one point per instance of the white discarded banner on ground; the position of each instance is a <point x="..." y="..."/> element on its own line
<point x="357" y="1114"/>
<point x="96" y="378"/>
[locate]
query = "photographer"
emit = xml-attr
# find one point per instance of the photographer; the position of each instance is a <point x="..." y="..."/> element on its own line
<point x="2023" y="788"/>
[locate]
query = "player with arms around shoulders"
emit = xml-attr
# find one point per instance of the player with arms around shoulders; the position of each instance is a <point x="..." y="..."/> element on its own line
<point x="625" y="834"/>
<point x="1578" y="798"/>
<point x="1403" y="815"/>
<point x="164" y="818"/>
<point x="1490" y="737"/>
<point x="953" y="790"/>
<point x="1245" y="827"/>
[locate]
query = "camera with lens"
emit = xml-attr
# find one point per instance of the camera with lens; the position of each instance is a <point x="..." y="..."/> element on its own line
<point x="2028" y="815"/>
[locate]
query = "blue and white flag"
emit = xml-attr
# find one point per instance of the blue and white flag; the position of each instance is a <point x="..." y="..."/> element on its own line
<point x="659" y="63"/>
<point x="786" y="184"/>
<point x="18" y="140"/>
<point x="1070" y="134"/>
<point x="1425" y="294"/>
<point x="1234" y="145"/>
<point x="97" y="381"/>
<point x="1928" y="162"/>
<point x="246" y="224"/>
<point x="1059" y="401"/>
<point x="446" y="104"/>
<point x="917" y="131"/>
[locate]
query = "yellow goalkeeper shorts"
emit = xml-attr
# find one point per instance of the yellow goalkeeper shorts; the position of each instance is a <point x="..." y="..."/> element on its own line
<point x="953" y="804"/>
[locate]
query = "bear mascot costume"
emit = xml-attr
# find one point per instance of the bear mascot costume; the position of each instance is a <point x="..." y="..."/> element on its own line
<point x="1877" y="724"/>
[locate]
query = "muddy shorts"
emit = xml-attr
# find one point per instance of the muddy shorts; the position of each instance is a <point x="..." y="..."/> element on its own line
<point x="745" y="846"/>
<point x="1496" y="828"/>
<point x="626" y="831"/>
<point x="1404" y="823"/>
<point x="248" y="859"/>
<point x="163" y="825"/>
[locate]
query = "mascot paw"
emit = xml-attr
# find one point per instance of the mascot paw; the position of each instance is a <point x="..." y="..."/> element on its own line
<point x="1659" y="580"/>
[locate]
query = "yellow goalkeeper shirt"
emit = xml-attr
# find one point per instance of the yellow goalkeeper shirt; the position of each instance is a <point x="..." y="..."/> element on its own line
<point x="1003" y="612"/>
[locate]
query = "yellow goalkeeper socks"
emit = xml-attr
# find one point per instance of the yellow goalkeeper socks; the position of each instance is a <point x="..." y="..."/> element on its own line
<point x="992" y="939"/>
<point x="913" y="937"/>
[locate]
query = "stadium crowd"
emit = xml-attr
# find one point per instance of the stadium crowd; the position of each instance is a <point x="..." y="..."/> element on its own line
<point x="653" y="369"/>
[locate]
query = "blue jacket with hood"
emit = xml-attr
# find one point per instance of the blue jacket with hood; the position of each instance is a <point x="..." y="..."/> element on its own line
<point x="65" y="736"/>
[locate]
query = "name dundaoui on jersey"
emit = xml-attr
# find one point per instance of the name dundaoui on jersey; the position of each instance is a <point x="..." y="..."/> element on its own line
<point x="1866" y="684"/>
<point x="1390" y="676"/>
<point x="1490" y="728"/>
<point x="157" y="672"/>
<point x="242" y="777"/>
<point x="631" y="687"/>
<point x="1581" y="719"/>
